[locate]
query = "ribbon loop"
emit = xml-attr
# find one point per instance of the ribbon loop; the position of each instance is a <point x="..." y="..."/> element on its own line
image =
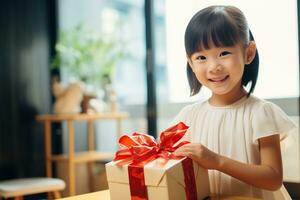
<point x="172" y="135"/>
<point x="140" y="148"/>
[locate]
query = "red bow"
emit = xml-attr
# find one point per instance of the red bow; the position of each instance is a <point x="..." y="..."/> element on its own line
<point x="142" y="148"/>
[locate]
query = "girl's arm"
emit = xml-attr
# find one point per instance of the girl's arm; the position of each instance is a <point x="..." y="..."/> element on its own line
<point x="267" y="175"/>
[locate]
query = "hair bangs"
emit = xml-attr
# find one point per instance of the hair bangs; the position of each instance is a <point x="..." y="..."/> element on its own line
<point x="219" y="32"/>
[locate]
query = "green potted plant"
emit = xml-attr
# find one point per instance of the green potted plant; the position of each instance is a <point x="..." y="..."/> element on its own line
<point x="87" y="56"/>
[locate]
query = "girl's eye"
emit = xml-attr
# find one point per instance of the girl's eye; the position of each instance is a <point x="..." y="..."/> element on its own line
<point x="224" y="53"/>
<point x="201" y="58"/>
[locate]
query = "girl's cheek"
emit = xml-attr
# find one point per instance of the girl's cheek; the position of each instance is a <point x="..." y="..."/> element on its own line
<point x="200" y="77"/>
<point x="198" y="68"/>
<point x="202" y="70"/>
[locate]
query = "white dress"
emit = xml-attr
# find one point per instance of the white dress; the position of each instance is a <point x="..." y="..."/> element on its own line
<point x="233" y="131"/>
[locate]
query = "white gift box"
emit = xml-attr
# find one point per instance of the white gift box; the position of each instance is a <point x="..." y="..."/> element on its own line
<point x="162" y="182"/>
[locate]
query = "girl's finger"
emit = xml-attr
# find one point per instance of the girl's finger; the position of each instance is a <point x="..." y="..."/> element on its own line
<point x="180" y="153"/>
<point x="182" y="148"/>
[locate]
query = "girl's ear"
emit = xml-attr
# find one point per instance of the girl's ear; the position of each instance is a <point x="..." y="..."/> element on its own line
<point x="250" y="52"/>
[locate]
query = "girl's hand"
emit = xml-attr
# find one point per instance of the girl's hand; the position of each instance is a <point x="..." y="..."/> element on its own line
<point x="200" y="154"/>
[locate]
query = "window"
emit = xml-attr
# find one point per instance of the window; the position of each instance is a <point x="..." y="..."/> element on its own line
<point x="278" y="54"/>
<point x="125" y="18"/>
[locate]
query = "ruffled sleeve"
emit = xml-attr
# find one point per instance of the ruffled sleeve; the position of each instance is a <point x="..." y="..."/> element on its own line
<point x="269" y="120"/>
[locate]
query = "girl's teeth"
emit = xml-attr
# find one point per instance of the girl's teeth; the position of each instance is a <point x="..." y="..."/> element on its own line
<point x="219" y="79"/>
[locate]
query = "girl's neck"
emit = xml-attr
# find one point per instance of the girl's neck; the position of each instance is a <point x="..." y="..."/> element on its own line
<point x="227" y="99"/>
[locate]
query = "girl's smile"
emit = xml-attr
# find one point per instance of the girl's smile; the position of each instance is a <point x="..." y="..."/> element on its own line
<point x="219" y="79"/>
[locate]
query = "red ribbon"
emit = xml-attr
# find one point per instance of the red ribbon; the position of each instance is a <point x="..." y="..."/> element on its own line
<point x="142" y="148"/>
<point x="189" y="179"/>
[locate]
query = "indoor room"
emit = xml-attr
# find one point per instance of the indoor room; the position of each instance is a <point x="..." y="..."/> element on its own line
<point x="144" y="99"/>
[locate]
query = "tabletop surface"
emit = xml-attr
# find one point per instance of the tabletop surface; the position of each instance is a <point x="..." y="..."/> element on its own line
<point x="104" y="195"/>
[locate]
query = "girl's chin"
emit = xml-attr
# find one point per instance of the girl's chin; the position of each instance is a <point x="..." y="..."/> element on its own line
<point x="220" y="91"/>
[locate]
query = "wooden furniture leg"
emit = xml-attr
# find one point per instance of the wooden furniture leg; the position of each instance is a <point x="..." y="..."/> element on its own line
<point x="71" y="164"/>
<point x="48" y="148"/>
<point x="56" y="194"/>
<point x="91" y="147"/>
<point x="49" y="195"/>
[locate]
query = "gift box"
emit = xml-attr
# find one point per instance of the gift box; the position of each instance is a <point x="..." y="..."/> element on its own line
<point x="162" y="182"/>
<point x="146" y="169"/>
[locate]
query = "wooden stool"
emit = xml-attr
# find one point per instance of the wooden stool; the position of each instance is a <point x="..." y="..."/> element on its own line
<point x="18" y="188"/>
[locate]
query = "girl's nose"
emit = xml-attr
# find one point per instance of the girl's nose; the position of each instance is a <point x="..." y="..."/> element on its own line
<point x="215" y="66"/>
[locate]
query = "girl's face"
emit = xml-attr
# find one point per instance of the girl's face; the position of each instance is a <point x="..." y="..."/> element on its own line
<point x="221" y="68"/>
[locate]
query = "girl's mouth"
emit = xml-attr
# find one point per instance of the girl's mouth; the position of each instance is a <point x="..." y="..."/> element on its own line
<point x="219" y="79"/>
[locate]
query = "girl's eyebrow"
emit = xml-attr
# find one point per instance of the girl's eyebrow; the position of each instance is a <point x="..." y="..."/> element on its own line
<point x="218" y="48"/>
<point x="197" y="53"/>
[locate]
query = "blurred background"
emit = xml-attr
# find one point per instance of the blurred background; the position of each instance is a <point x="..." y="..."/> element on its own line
<point x="127" y="55"/>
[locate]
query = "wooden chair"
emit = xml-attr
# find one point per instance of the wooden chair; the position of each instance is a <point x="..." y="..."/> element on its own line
<point x="17" y="188"/>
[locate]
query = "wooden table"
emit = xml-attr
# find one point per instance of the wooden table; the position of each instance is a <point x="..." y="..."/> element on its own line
<point x="71" y="157"/>
<point x="104" y="195"/>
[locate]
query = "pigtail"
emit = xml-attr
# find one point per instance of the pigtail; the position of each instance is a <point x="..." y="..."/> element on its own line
<point x="251" y="70"/>
<point x="194" y="84"/>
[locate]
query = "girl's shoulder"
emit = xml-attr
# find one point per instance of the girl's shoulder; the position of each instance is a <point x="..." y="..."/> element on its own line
<point x="267" y="119"/>
<point x="257" y="104"/>
<point x="263" y="111"/>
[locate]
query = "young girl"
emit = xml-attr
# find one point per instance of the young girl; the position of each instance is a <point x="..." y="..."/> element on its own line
<point x="233" y="134"/>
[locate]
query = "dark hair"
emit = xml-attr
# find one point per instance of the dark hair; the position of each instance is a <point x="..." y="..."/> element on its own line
<point x="221" y="26"/>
